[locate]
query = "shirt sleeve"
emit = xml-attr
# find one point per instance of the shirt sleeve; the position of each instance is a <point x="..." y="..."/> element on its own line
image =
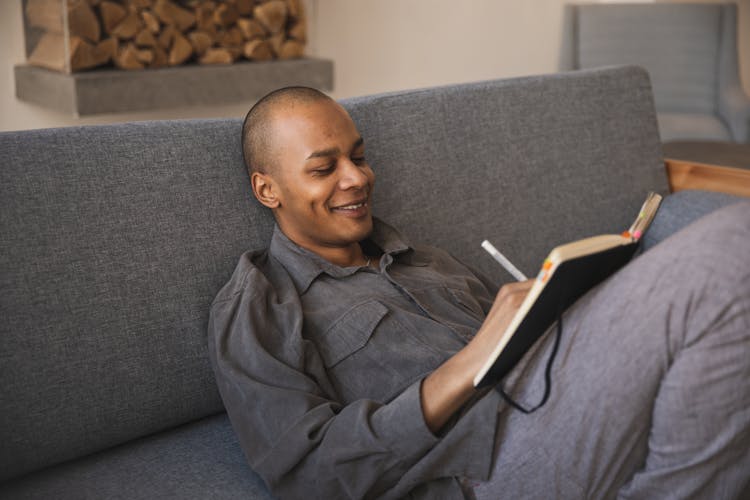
<point x="294" y="435"/>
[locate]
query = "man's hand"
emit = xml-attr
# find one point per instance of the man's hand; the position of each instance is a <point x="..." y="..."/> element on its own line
<point x="446" y="389"/>
<point x="507" y="302"/>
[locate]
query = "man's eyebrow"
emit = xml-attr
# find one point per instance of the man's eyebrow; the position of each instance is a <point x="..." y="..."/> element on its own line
<point x="324" y="153"/>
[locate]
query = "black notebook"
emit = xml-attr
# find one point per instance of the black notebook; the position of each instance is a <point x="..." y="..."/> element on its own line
<point x="568" y="272"/>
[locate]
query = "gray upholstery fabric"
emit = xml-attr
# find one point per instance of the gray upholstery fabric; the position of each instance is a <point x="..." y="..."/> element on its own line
<point x="199" y="460"/>
<point x="115" y="240"/>
<point x="678" y="47"/>
<point x="689" y="50"/>
<point x="527" y="163"/>
<point x="680" y="209"/>
<point x="733" y="102"/>
<point x="675" y="126"/>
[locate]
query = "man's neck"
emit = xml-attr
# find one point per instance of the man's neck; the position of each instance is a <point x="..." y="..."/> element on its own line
<point x="343" y="256"/>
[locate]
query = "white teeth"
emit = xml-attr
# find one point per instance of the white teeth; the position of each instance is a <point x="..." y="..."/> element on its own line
<point x="352" y="207"/>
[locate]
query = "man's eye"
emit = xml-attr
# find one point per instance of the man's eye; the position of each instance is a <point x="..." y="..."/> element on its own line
<point x="323" y="170"/>
<point x="359" y="160"/>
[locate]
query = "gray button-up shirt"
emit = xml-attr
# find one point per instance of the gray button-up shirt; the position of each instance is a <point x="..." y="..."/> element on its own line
<point x="320" y="368"/>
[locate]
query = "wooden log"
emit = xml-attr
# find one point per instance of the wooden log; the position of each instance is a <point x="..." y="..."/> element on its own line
<point x="236" y="51"/>
<point x="107" y="49"/>
<point x="128" y="27"/>
<point x="257" y="50"/>
<point x="217" y="55"/>
<point x="166" y="37"/>
<point x="145" y="56"/>
<point x="250" y="28"/>
<point x="142" y="4"/>
<point x="150" y="21"/>
<point x="225" y="15"/>
<point x="145" y="38"/>
<point x="158" y="32"/>
<point x="82" y="21"/>
<point x="181" y="50"/>
<point x="276" y="41"/>
<point x="298" y="31"/>
<point x="201" y="41"/>
<point x="127" y="58"/>
<point x="160" y="58"/>
<point x="272" y="15"/>
<point x="295" y="9"/>
<point x="245" y="7"/>
<point x="111" y="14"/>
<point x="45" y="14"/>
<point x="49" y="52"/>
<point x="174" y="15"/>
<point x="232" y="38"/>
<point x="81" y="54"/>
<point x="84" y="55"/>
<point x="291" y="49"/>
<point x="204" y="17"/>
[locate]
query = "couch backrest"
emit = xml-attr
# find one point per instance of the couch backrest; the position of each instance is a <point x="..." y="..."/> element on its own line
<point x="526" y="163"/>
<point x="679" y="45"/>
<point x="116" y="238"/>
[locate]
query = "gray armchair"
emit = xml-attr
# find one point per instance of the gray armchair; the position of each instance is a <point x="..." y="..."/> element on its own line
<point x="689" y="50"/>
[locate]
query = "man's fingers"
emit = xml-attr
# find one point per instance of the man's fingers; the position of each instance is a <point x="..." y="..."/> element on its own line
<point x="514" y="289"/>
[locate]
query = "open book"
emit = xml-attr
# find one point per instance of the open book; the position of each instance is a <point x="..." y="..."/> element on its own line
<point x="567" y="273"/>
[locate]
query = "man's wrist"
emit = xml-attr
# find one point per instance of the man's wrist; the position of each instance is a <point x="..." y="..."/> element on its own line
<point x="446" y="389"/>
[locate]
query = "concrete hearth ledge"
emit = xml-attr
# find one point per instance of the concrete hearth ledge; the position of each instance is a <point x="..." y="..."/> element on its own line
<point x="115" y="91"/>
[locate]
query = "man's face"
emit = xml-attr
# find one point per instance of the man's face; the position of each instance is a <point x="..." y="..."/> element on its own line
<point x="323" y="182"/>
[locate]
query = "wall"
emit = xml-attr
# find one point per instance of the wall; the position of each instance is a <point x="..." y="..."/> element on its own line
<point x="394" y="44"/>
<point x="377" y="46"/>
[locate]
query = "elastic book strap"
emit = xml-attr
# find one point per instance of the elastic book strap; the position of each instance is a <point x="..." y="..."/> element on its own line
<point x="547" y="376"/>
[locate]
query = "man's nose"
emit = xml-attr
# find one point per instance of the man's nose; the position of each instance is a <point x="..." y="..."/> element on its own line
<point x="352" y="175"/>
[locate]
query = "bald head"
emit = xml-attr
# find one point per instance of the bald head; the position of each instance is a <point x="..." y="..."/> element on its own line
<point x="257" y="130"/>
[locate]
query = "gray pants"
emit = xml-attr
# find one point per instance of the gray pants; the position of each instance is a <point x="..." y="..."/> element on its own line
<point x="651" y="385"/>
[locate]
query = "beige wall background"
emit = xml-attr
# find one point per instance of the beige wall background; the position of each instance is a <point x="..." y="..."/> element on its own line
<point x="377" y="46"/>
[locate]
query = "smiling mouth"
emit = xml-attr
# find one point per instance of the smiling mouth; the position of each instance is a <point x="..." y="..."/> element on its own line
<point x="356" y="210"/>
<point x="353" y="207"/>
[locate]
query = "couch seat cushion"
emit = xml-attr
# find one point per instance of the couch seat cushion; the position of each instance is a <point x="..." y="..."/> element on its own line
<point x="198" y="460"/>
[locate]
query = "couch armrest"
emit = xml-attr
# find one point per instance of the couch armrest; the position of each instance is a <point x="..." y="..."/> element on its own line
<point x="691" y="175"/>
<point x="681" y="209"/>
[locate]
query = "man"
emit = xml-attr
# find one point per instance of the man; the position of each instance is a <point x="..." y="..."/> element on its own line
<point x="345" y="355"/>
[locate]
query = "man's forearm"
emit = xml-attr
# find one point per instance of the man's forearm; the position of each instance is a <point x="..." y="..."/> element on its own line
<point x="446" y="389"/>
<point x="451" y="385"/>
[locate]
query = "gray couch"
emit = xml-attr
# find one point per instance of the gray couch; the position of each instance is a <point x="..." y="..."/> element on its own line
<point x="116" y="238"/>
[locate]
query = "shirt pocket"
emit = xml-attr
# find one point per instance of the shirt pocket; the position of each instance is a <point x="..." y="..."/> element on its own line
<point x="466" y="300"/>
<point x="351" y="332"/>
<point x="369" y="353"/>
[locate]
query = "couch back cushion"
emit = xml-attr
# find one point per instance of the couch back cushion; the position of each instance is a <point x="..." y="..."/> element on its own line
<point x="677" y="43"/>
<point x="527" y="163"/>
<point x="115" y="241"/>
<point x="116" y="238"/>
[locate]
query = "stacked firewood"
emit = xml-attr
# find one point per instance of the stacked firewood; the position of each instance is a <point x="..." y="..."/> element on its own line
<point x="136" y="34"/>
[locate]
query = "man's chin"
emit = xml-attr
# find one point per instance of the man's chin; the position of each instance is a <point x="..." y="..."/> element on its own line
<point x="351" y="229"/>
<point x="362" y="228"/>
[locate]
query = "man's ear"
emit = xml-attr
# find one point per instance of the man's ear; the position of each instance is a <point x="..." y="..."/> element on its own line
<point x="265" y="189"/>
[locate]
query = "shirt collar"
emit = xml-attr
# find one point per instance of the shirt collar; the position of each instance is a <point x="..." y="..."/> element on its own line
<point x="304" y="266"/>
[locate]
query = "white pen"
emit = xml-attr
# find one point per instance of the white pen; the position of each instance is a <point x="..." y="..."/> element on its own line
<point x="508" y="265"/>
